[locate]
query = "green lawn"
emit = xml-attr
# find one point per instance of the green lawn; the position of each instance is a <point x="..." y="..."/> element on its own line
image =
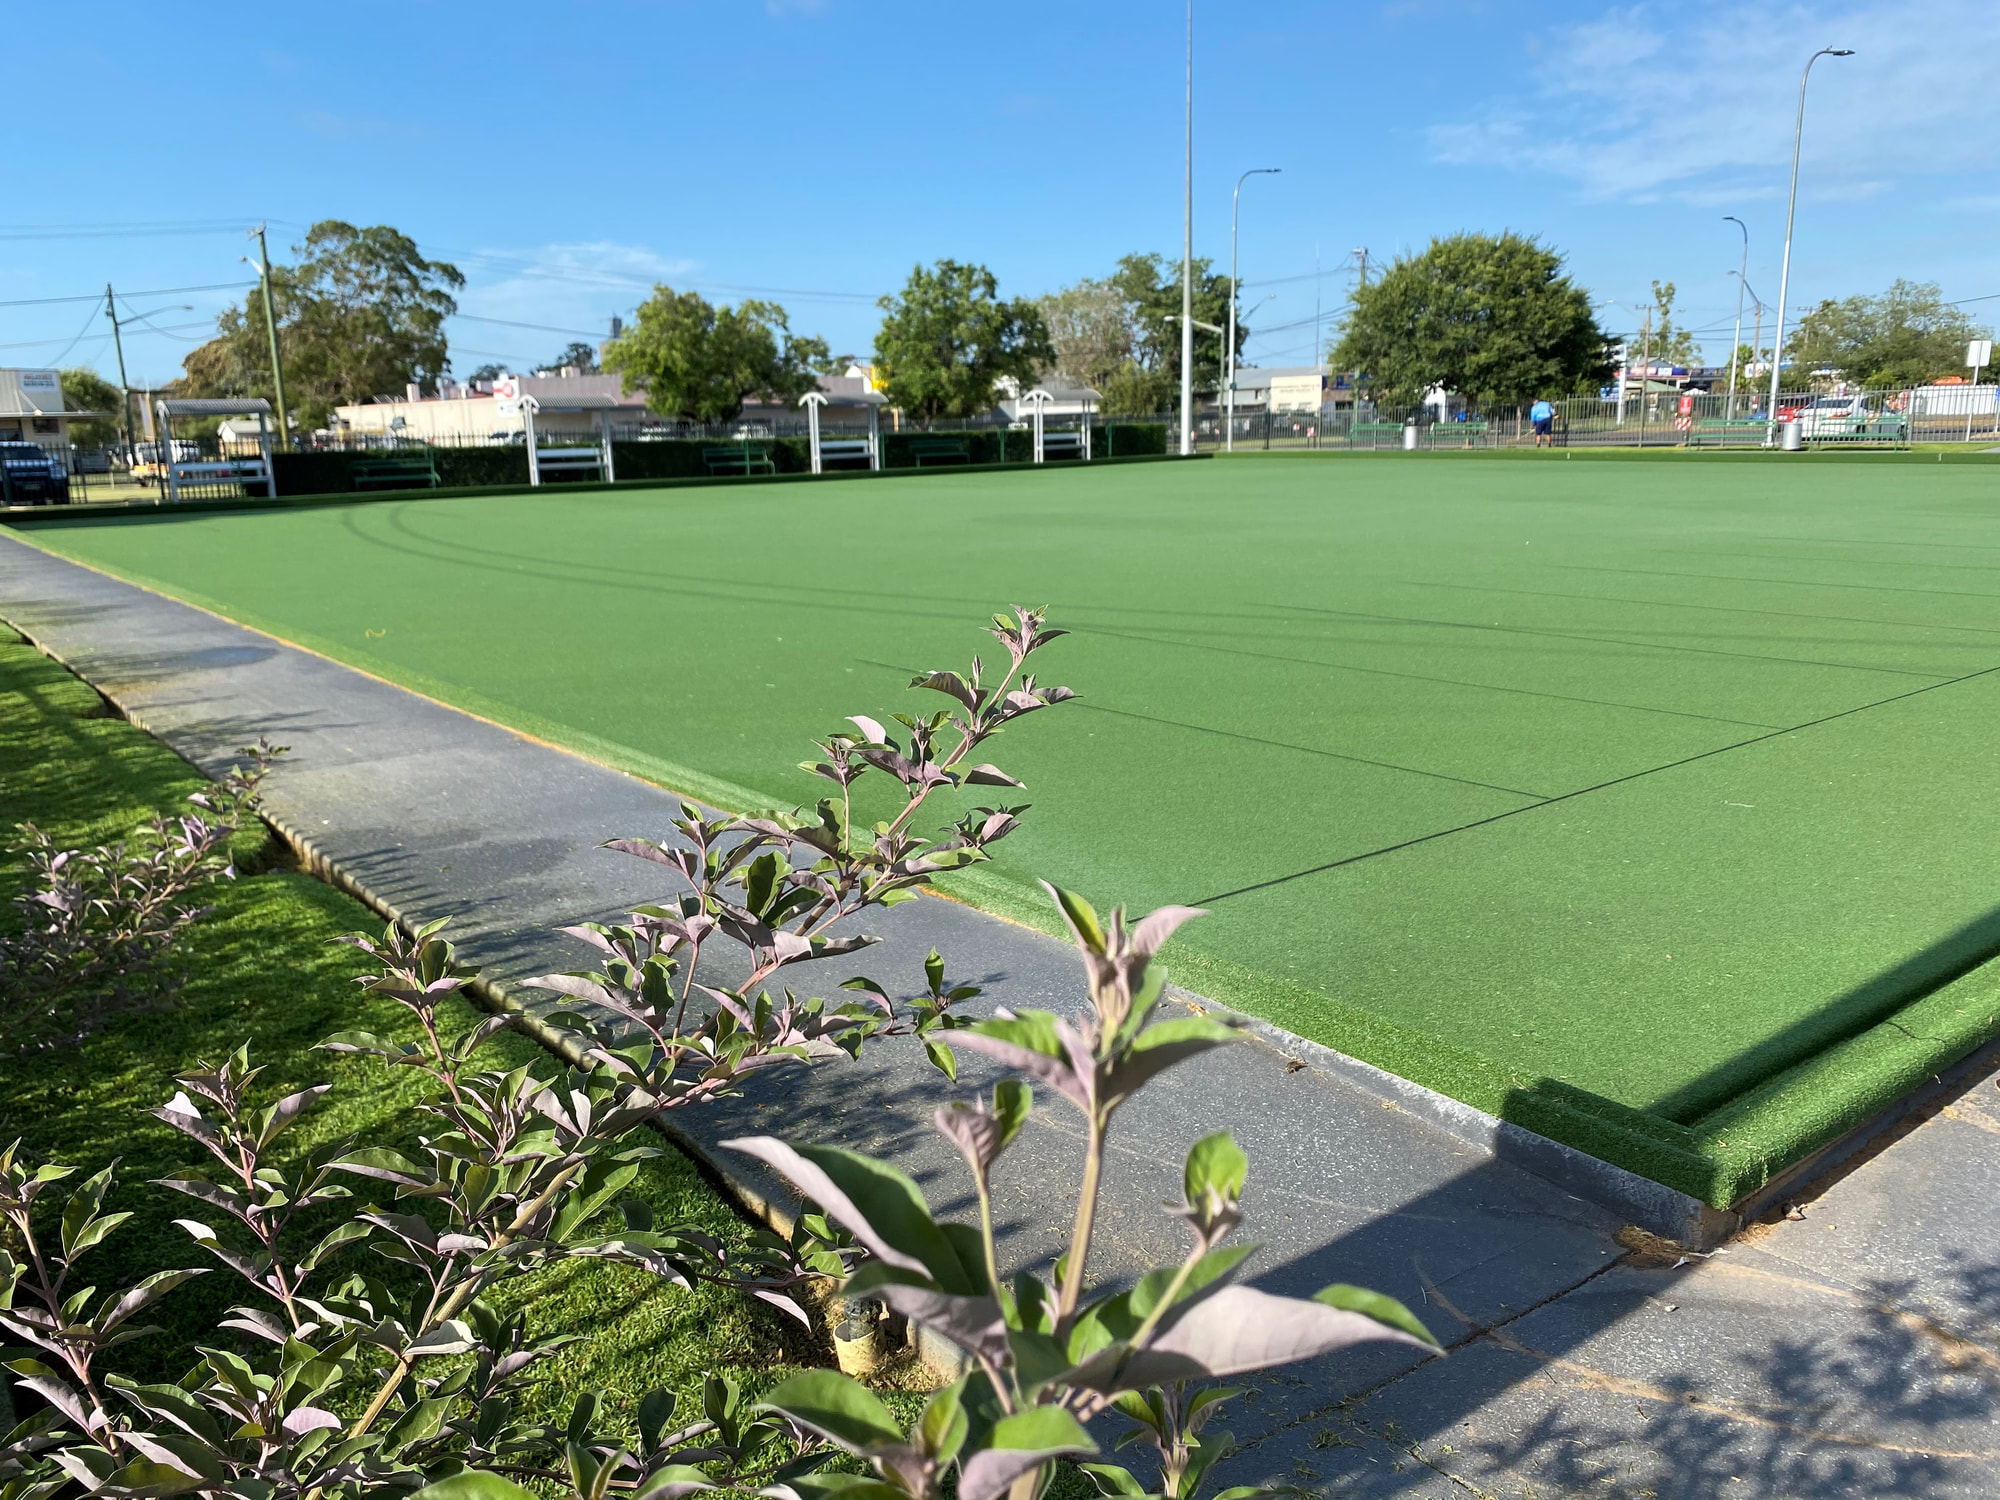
<point x="266" y="971"/>
<point x="1646" y="803"/>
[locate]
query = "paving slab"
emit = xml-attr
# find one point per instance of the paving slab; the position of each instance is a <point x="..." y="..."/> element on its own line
<point x="437" y="812"/>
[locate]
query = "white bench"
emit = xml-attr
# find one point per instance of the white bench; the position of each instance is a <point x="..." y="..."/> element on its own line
<point x="568" y="461"/>
<point x="845" y="449"/>
<point x="216" y="472"/>
<point x="1062" y="445"/>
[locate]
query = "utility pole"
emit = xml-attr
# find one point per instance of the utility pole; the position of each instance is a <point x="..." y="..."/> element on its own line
<point x="1187" y="259"/>
<point x="124" y="391"/>
<point x="271" y="327"/>
<point x="1229" y="346"/>
<point x="1785" y="269"/>
<point x="1736" y="342"/>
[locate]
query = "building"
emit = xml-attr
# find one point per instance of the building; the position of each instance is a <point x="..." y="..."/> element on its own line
<point x="1297" y="388"/>
<point x="1064" y="400"/>
<point x="570" y="402"/>
<point x="32" y="409"/>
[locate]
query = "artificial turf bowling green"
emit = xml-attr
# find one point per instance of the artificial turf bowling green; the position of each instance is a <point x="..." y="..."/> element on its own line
<point x="1604" y="796"/>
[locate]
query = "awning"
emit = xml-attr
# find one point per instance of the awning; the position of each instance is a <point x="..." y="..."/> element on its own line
<point x="201" y="406"/>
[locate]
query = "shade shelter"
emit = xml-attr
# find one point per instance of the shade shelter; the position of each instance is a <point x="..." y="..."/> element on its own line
<point x="210" y="478"/>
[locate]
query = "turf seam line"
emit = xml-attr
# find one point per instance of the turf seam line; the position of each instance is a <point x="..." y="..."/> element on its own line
<point x="1361" y="760"/>
<point x="1612" y="640"/>
<point x="1723" y="609"/>
<point x="1514" y="812"/>
<point x="1848" y="541"/>
<point x="1870" y="588"/>
<point x="1487" y="687"/>
<point x="1849" y="562"/>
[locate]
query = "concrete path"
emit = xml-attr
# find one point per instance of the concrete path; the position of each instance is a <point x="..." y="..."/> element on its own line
<point x="1852" y="1351"/>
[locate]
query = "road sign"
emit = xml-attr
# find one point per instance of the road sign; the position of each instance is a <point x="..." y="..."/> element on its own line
<point x="1687" y="404"/>
<point x="1683" y="424"/>
<point x="507" y="397"/>
<point x="1979" y="352"/>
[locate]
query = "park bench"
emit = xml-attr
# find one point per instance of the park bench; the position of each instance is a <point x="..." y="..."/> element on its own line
<point x="1471" y="429"/>
<point x="738" y="458"/>
<point x="939" y="451"/>
<point x="569" y="461"/>
<point x="1376" y="433"/>
<point x="846" y="450"/>
<point x="1715" y="432"/>
<point x="397" y="473"/>
<point x="1062" y="445"/>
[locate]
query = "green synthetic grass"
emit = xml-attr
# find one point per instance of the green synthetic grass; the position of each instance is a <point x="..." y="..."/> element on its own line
<point x="265" y="971"/>
<point x="1637" y="802"/>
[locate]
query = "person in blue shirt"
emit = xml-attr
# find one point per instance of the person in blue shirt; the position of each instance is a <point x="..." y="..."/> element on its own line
<point x="1543" y="416"/>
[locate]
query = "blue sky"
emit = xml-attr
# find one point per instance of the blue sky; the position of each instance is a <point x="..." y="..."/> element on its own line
<point x="565" y="157"/>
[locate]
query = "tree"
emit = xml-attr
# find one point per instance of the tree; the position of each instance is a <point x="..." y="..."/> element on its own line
<point x="696" y="360"/>
<point x="948" y="336"/>
<point x="1907" y="336"/>
<point x="361" y="314"/>
<point x="1151" y="288"/>
<point x="1666" y="344"/>
<point x="1492" y="317"/>
<point x="86" y="390"/>
<point x="486" y="372"/>
<point x="582" y="356"/>
<point x="1090" y="330"/>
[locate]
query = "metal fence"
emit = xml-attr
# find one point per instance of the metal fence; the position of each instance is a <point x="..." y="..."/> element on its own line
<point x="1653" y="419"/>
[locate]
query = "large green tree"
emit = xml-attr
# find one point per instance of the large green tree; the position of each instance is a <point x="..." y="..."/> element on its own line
<point x="1151" y="288"/>
<point x="1492" y="317"/>
<point x="949" y="335"/>
<point x="1907" y="336"/>
<point x="693" y="359"/>
<point x="86" y="390"/>
<point x="361" y="313"/>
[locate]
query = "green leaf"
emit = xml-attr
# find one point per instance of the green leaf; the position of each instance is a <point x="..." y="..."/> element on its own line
<point x="839" y="1409"/>
<point x="942" y="1059"/>
<point x="1038" y="1358"/>
<point x="1374" y="1305"/>
<point x="1153" y="1285"/>
<point x="1080" y="915"/>
<point x="1012" y="1101"/>
<point x="1216" y="1167"/>
<point x="474" y="1485"/>
<point x="941" y="1430"/>
<point x="1113" y="1482"/>
<point x="675" y="1480"/>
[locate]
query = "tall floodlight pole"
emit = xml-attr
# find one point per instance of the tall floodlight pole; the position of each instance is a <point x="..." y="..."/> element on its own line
<point x="1229" y="350"/>
<point x="1785" y="271"/>
<point x="271" y="327"/>
<point x="1187" y="259"/>
<point x="1736" y="344"/>
<point x="124" y="390"/>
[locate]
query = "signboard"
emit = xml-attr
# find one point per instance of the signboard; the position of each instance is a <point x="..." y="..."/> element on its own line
<point x="507" y="397"/>
<point x="1687" y="405"/>
<point x="1977" y="353"/>
<point x="41" y="390"/>
<point x="40" y="380"/>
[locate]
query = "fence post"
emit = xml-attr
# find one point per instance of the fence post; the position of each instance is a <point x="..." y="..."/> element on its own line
<point x="528" y="404"/>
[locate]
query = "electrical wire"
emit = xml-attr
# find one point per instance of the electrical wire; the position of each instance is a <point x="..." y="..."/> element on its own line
<point x="165" y="291"/>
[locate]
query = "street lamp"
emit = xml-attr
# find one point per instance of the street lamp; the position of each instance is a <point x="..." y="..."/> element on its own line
<point x="1785" y="272"/>
<point x="1187" y="258"/>
<point x="1229" y="350"/>
<point x="1736" y="344"/>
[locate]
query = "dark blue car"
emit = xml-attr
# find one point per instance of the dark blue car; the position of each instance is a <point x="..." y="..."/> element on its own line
<point x="31" y="475"/>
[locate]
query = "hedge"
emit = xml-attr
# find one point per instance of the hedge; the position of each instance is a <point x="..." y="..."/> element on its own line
<point x="681" y="458"/>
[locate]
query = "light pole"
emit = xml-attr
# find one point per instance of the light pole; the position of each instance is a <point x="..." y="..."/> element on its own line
<point x="1229" y="349"/>
<point x="1785" y="272"/>
<point x="1187" y="258"/>
<point x="1736" y="344"/>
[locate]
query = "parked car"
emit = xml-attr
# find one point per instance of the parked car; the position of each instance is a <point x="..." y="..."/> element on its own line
<point x="149" y="460"/>
<point x="31" y="475"/>
<point x="1831" y="416"/>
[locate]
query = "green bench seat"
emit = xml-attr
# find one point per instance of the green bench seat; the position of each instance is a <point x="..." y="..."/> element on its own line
<point x="1376" y="432"/>
<point x="397" y="473"/>
<point x="939" y="451"/>
<point x="737" y="458"/>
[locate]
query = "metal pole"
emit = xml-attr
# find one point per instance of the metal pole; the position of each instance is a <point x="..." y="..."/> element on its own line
<point x="271" y="327"/>
<point x="124" y="391"/>
<point x="1645" y="372"/>
<point x="1736" y="343"/>
<point x="1972" y="403"/>
<point x="528" y="429"/>
<point x="1187" y="258"/>
<point x="1229" y="352"/>
<point x="1785" y="272"/>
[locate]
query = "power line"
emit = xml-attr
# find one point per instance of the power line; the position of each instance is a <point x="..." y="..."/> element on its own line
<point x="582" y="333"/>
<point x="116" y="231"/>
<point x="168" y="291"/>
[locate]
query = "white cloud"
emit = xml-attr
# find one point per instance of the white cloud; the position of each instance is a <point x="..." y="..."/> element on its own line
<point x="573" y="287"/>
<point x="1654" y="101"/>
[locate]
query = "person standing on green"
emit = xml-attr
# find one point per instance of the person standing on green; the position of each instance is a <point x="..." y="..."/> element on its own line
<point x="1543" y="415"/>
